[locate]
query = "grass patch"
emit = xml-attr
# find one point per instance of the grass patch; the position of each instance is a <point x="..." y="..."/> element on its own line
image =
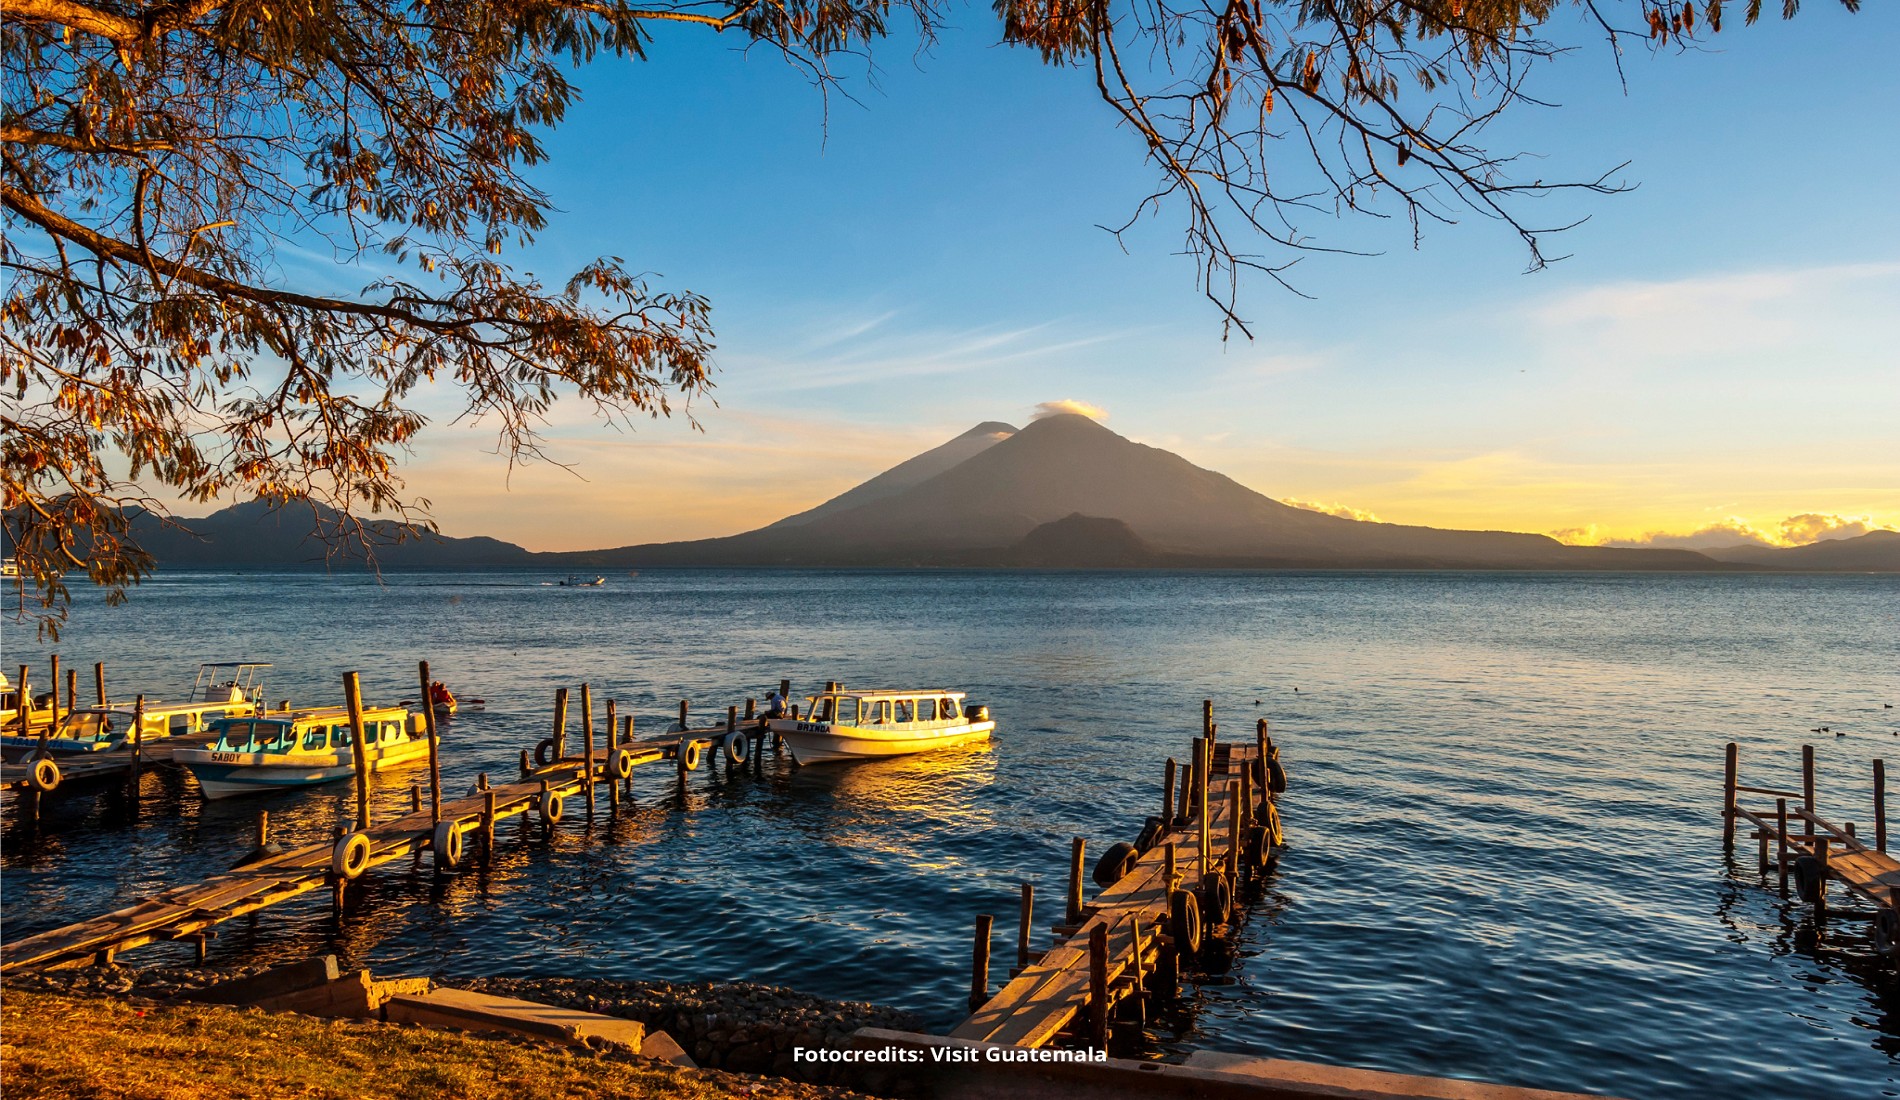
<point x="82" y="1048"/>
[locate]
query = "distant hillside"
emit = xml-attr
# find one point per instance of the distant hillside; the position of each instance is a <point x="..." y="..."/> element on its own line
<point x="1873" y="552"/>
<point x="259" y="536"/>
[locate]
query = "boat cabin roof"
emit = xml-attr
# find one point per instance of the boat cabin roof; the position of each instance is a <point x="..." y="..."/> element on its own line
<point x="913" y="693"/>
<point x="325" y="714"/>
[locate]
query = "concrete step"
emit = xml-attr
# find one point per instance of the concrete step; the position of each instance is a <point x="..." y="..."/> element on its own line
<point x="466" y="1011"/>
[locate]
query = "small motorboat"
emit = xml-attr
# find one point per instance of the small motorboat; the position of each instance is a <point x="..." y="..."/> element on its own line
<point x="441" y="699"/>
<point x="865" y="725"/>
<point x="279" y="750"/>
<point x="572" y="581"/>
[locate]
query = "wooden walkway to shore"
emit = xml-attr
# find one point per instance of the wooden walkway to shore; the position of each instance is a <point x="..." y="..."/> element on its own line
<point x="1133" y="938"/>
<point x="441" y="827"/>
<point x="1813" y="851"/>
<point x="118" y="763"/>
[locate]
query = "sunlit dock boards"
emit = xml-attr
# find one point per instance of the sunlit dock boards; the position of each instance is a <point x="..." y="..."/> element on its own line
<point x="1133" y="938"/>
<point x="1813" y="852"/>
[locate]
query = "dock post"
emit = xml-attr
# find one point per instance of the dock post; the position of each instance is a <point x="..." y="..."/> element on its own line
<point x="751" y="708"/>
<point x="1207" y="719"/>
<point x="1135" y="1008"/>
<point x="263" y="828"/>
<point x="1098" y="986"/>
<point x="55" y="687"/>
<point x="1261" y="739"/>
<point x="1233" y="832"/>
<point x="72" y="690"/>
<point x="1821" y="847"/>
<point x="1728" y="797"/>
<point x="527" y="765"/>
<point x="415" y="799"/>
<point x="1880" y="805"/>
<point x="1174" y="874"/>
<point x="560" y="725"/>
<point x="980" y="965"/>
<point x="1206" y="765"/>
<point x="1781" y="843"/>
<point x="99" y="680"/>
<point x="25" y="699"/>
<point x="1167" y="797"/>
<point x="138" y="740"/>
<point x="685" y="705"/>
<point x="359" y="753"/>
<point x="435" y="746"/>
<point x="1023" y="920"/>
<point x="1077" y="848"/>
<point x="198" y="944"/>
<point x="488" y="822"/>
<point x="1807" y="788"/>
<point x="587" y="749"/>
<point x="1761" y="850"/>
<point x="1181" y="816"/>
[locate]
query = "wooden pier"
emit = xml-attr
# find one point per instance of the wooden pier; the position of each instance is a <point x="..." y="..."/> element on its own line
<point x="1801" y="846"/>
<point x="447" y="829"/>
<point x="1160" y="899"/>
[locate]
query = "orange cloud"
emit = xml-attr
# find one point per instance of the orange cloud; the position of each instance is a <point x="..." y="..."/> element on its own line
<point x="1797" y="530"/>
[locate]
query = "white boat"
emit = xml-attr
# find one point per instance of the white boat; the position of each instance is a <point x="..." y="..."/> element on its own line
<point x="572" y="581"/>
<point x="864" y="725"/>
<point x="286" y="749"/>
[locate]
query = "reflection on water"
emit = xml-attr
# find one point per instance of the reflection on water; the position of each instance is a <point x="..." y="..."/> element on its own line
<point x="1504" y="841"/>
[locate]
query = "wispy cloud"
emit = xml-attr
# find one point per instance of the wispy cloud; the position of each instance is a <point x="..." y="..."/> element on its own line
<point x="1798" y="530"/>
<point x="1343" y="511"/>
<point x="878" y="353"/>
<point x="1047" y="409"/>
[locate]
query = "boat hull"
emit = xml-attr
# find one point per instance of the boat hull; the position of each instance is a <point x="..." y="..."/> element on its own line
<point x="826" y="743"/>
<point x="228" y="775"/>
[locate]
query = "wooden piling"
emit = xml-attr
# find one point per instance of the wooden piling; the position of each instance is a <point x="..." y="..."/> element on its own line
<point x="435" y="744"/>
<point x="1807" y="789"/>
<point x="25" y="698"/>
<point x="1181" y="816"/>
<point x="1821" y="846"/>
<point x="1023" y="922"/>
<point x="1207" y="719"/>
<point x="1098" y="986"/>
<point x="99" y="680"/>
<point x="359" y="752"/>
<point x="684" y="706"/>
<point x="980" y="964"/>
<point x="527" y="765"/>
<point x="72" y="690"/>
<point x="1167" y="797"/>
<point x="607" y="741"/>
<point x="587" y="747"/>
<point x="415" y="797"/>
<point x="55" y="687"/>
<point x="263" y="828"/>
<point x="1880" y="805"/>
<point x="751" y="708"/>
<point x="1761" y="851"/>
<point x="1233" y="829"/>
<point x="488" y="822"/>
<point x="1077" y="848"/>
<point x="560" y="724"/>
<point x="1204" y="766"/>
<point x="1781" y="843"/>
<point x="1173" y="873"/>
<point x="138" y="739"/>
<point x="1728" y="797"/>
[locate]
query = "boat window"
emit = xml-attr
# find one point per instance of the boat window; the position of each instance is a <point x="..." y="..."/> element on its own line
<point x="392" y="731"/>
<point x="316" y="738"/>
<point x="880" y="712"/>
<point x="947" y="708"/>
<point x="270" y="737"/>
<point x="235" y="737"/>
<point x="826" y="708"/>
<point x="926" y="710"/>
<point x="906" y="710"/>
<point x="342" y="735"/>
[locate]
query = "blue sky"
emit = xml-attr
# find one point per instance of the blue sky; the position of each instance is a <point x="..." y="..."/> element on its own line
<point x="887" y="270"/>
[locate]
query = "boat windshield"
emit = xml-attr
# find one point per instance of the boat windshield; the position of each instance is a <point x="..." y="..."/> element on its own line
<point x="255" y="736"/>
<point x="86" y="725"/>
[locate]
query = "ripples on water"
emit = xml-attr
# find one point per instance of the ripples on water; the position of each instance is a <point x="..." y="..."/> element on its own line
<point x="1504" y="817"/>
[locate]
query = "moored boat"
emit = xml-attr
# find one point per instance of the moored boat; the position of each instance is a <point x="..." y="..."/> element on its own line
<point x="865" y="725"/>
<point x="222" y="689"/>
<point x="286" y="749"/>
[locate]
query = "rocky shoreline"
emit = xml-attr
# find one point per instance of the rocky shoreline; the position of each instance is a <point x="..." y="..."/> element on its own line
<point x="743" y="1027"/>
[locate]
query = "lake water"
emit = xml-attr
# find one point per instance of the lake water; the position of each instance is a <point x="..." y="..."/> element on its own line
<point x="1505" y="841"/>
